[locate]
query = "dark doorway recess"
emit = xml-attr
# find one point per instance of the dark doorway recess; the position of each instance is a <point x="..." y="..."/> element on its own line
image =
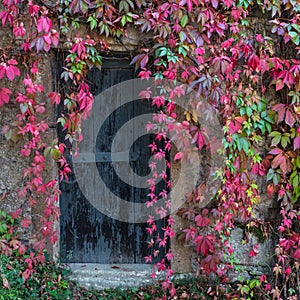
<point x="86" y="234"/>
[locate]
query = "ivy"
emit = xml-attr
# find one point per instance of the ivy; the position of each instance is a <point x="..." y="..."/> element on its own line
<point x="215" y="48"/>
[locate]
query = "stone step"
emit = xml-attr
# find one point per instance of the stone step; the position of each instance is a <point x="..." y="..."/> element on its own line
<point x="102" y="276"/>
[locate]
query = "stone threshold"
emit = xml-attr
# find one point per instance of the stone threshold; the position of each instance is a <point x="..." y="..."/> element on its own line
<point x="107" y="276"/>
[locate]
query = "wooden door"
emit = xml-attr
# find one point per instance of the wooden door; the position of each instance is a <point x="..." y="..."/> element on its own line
<point x="86" y="234"/>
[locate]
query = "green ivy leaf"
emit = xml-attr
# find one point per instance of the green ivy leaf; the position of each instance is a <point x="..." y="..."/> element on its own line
<point x="93" y="22"/>
<point x="295" y="37"/>
<point x="55" y="153"/>
<point x="184" y="20"/>
<point x="123" y="20"/>
<point x="276" y="137"/>
<point x="47" y="151"/>
<point x="23" y="107"/>
<point x="248" y="111"/>
<point x="285" y="140"/>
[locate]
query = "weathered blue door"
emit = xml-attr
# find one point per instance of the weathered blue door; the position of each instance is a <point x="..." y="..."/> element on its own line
<point x="86" y="234"/>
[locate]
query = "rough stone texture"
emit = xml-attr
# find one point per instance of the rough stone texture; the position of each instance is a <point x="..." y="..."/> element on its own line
<point x="264" y="258"/>
<point x="108" y="276"/>
<point x="115" y="276"/>
<point x="11" y="162"/>
<point x="182" y="253"/>
<point x="268" y="208"/>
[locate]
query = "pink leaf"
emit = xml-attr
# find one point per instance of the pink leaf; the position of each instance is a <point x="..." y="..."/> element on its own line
<point x="54" y="98"/>
<point x="204" y="244"/>
<point x="2" y="71"/>
<point x="19" y="30"/>
<point x="289" y="118"/>
<point x="214" y="3"/>
<point x="275" y="151"/>
<point x="144" y="61"/>
<point x="279" y="85"/>
<point x="178" y="156"/>
<point x="278" y="107"/>
<point x="4" y="96"/>
<point x="5" y="282"/>
<point x="228" y="3"/>
<point x="55" y="37"/>
<point x="281" y="114"/>
<point x="11" y="72"/>
<point x="47" y="38"/>
<point x="39" y="44"/>
<point x="12" y="62"/>
<point x="202" y="221"/>
<point x="278" y="160"/>
<point x="297" y="254"/>
<point x="200" y="140"/>
<point x="26" y="274"/>
<point x="189" y="5"/>
<point x="254" y="251"/>
<point x="44" y="24"/>
<point x="297" y="142"/>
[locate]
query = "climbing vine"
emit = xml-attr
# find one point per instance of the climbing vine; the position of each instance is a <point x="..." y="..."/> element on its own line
<point x="240" y="56"/>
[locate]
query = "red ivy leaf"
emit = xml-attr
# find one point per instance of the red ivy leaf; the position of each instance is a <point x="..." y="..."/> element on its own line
<point x="145" y="74"/>
<point x="297" y="142"/>
<point x="214" y="3"/>
<point x="2" y="71"/>
<point x="4" y="96"/>
<point x="236" y="14"/>
<point x="202" y="221"/>
<point x="26" y="274"/>
<point x="270" y="190"/>
<point x="280" y="109"/>
<point x="254" y="251"/>
<point x="279" y="85"/>
<point x="189" y="4"/>
<point x="144" y="61"/>
<point x="54" y="98"/>
<point x="178" y="156"/>
<point x="287" y="78"/>
<point x="44" y="24"/>
<point x="283" y="165"/>
<point x="200" y="139"/>
<point x="19" y="30"/>
<point x="289" y="118"/>
<point x="5" y="282"/>
<point x="228" y="3"/>
<point x="297" y="254"/>
<point x="275" y="151"/>
<point x="11" y="72"/>
<point x="209" y="263"/>
<point x="190" y="233"/>
<point x="204" y="244"/>
<point x="236" y="124"/>
<point x="5" y="16"/>
<point x="278" y="160"/>
<point x="39" y="44"/>
<point x="55" y="37"/>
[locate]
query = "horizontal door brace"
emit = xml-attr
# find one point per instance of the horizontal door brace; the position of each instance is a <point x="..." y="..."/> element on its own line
<point x="105" y="157"/>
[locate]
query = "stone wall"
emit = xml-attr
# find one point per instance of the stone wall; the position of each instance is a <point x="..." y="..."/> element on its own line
<point x="12" y="163"/>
